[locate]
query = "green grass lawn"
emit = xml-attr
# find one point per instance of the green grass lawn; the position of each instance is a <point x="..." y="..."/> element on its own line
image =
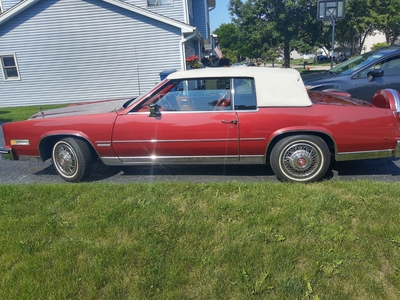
<point x="329" y="240"/>
<point x="13" y="114"/>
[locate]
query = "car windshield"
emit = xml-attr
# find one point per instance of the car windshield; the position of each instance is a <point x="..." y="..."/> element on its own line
<point x="359" y="62"/>
<point x="143" y="95"/>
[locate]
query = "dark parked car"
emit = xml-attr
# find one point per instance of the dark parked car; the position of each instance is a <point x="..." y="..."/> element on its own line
<point x="361" y="76"/>
<point x="340" y="59"/>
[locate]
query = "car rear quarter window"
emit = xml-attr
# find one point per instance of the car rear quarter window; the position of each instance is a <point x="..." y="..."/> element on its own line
<point x="244" y="94"/>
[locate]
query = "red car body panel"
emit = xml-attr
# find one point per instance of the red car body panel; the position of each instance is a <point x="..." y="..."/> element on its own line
<point x="215" y="133"/>
<point x="142" y="131"/>
<point x="183" y="134"/>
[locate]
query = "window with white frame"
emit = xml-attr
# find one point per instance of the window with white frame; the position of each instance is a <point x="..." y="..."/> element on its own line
<point x="9" y="67"/>
<point x="159" y="2"/>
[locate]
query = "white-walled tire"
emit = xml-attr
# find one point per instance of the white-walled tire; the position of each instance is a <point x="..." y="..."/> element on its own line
<point x="300" y="158"/>
<point x="72" y="159"/>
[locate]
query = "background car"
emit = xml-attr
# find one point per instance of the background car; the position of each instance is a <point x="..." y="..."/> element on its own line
<point x="361" y="76"/>
<point x="340" y="59"/>
<point x="239" y="65"/>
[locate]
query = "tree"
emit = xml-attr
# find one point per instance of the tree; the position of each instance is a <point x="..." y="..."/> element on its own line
<point x="228" y="36"/>
<point x="274" y="23"/>
<point x="388" y="19"/>
<point x="229" y="41"/>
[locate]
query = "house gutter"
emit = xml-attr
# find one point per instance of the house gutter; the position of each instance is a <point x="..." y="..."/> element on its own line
<point x="17" y="8"/>
<point x="182" y="47"/>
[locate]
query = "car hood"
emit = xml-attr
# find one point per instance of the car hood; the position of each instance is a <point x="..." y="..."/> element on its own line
<point x="314" y="77"/>
<point x="97" y="107"/>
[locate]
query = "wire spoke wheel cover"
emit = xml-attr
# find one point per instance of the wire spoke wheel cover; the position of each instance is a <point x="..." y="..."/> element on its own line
<point x="72" y="159"/>
<point x="65" y="159"/>
<point x="300" y="158"/>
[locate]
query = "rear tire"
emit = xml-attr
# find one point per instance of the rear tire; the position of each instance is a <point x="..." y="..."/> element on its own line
<point x="72" y="159"/>
<point x="300" y="158"/>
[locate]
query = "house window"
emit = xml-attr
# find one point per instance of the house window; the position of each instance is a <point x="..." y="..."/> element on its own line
<point x="9" y="67"/>
<point x="159" y="2"/>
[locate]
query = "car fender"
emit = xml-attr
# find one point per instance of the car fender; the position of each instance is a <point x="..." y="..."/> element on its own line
<point x="44" y="148"/>
<point x="321" y="132"/>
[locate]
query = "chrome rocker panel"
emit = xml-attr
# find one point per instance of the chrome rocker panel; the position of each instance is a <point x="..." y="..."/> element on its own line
<point x="188" y="160"/>
<point x="369" y="154"/>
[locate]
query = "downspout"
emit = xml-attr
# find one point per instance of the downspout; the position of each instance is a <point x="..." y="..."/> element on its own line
<point x="182" y="47"/>
<point x="208" y="21"/>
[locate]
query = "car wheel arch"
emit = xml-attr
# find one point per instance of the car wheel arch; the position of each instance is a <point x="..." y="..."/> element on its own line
<point x="326" y="137"/>
<point x="47" y="143"/>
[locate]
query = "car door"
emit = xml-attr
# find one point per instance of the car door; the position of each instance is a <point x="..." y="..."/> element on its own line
<point x="366" y="87"/>
<point x="180" y="126"/>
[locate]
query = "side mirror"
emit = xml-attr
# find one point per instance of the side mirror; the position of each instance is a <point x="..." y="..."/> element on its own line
<point x="375" y="73"/>
<point x="154" y="110"/>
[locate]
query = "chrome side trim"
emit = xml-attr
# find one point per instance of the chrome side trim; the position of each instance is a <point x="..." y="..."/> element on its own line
<point x="176" y="141"/>
<point x="183" y="160"/>
<point x="366" y="154"/>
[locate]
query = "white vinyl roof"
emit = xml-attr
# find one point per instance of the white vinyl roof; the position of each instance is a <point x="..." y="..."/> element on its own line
<point x="274" y="86"/>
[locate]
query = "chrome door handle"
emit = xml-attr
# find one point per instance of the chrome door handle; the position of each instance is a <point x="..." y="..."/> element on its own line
<point x="229" y="121"/>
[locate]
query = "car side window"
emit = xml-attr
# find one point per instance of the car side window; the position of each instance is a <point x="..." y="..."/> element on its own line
<point x="208" y="94"/>
<point x="364" y="73"/>
<point x="390" y="67"/>
<point x="244" y="94"/>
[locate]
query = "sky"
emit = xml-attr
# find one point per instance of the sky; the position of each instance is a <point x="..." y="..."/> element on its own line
<point x="220" y="14"/>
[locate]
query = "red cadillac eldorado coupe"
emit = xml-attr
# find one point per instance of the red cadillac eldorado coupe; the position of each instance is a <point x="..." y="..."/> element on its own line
<point x="215" y="116"/>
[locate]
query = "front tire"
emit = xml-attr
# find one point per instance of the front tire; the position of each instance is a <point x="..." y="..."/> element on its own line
<point x="300" y="158"/>
<point x="72" y="159"/>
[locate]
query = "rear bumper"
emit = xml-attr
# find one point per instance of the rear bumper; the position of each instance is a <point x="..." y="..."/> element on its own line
<point x="7" y="153"/>
<point x="397" y="150"/>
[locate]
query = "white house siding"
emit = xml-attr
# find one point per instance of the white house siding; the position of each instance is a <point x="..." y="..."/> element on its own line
<point x="72" y="51"/>
<point x="7" y="4"/>
<point x="175" y="11"/>
<point x="199" y="16"/>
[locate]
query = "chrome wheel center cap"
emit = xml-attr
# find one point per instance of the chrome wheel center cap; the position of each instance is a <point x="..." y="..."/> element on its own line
<point x="300" y="159"/>
<point x="64" y="159"/>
